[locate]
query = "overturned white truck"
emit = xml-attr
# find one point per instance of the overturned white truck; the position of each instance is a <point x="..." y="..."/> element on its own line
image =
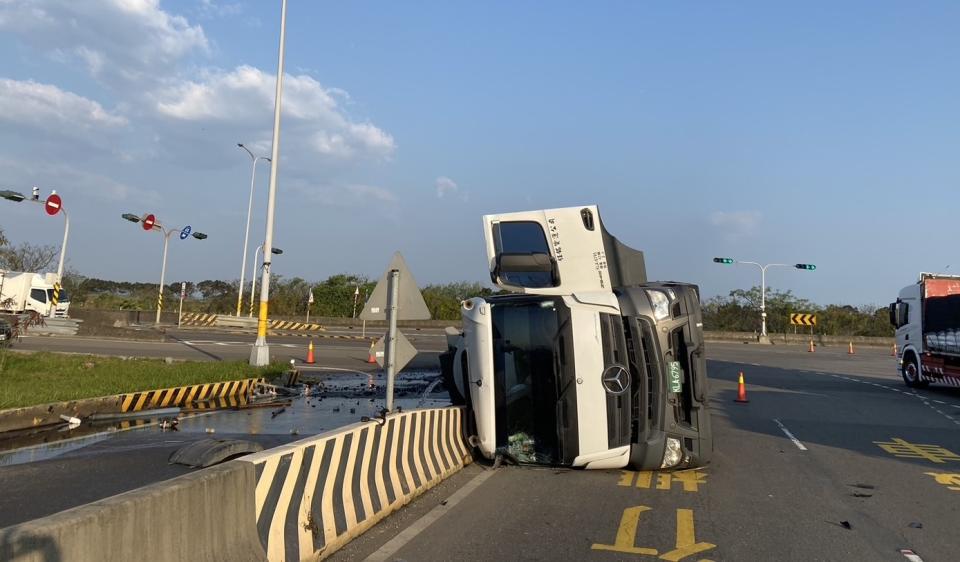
<point x="588" y="364"/>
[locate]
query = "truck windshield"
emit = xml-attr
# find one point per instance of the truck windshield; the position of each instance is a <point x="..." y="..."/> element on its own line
<point x="529" y="336"/>
<point x="63" y="297"/>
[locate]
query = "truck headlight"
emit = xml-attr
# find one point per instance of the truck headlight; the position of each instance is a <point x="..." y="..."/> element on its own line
<point x="672" y="455"/>
<point x="660" y="303"/>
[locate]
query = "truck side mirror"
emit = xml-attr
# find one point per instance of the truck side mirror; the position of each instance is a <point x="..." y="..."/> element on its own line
<point x="893" y="315"/>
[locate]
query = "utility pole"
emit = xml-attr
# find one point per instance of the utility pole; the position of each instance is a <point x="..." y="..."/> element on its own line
<point x="260" y="353"/>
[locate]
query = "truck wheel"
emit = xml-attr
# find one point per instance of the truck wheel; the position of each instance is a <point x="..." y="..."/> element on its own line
<point x="911" y="373"/>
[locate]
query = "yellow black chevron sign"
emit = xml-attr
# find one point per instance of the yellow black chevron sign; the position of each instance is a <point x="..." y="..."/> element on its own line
<point x="803" y="319"/>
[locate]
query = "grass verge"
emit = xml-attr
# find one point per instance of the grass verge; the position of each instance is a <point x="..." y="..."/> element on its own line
<point x="27" y="379"/>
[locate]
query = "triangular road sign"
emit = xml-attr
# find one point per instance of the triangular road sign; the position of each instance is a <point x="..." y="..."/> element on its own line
<point x="410" y="304"/>
<point x="405" y="352"/>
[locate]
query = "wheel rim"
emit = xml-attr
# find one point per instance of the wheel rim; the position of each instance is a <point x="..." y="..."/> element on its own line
<point x="911" y="371"/>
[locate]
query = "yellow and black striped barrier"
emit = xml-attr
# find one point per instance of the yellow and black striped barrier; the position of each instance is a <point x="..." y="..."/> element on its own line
<point x="197" y="319"/>
<point x="183" y="396"/>
<point x="294" y="326"/>
<point x="314" y="495"/>
<point x="56" y="295"/>
<point x="225" y="403"/>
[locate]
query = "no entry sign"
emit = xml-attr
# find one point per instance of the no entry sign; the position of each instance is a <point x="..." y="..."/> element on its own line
<point x="53" y="204"/>
<point x="149" y="221"/>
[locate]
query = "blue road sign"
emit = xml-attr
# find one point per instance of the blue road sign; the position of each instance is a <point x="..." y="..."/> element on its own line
<point x="185" y="232"/>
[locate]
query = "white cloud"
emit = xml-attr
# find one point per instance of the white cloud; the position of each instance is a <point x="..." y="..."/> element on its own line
<point x="736" y="223"/>
<point x="342" y="195"/>
<point x="245" y="96"/>
<point x="48" y="107"/>
<point x="128" y="39"/>
<point x="445" y="186"/>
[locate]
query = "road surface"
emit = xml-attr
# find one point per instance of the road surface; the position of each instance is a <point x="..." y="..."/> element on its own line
<point x="832" y="459"/>
<point x="340" y="348"/>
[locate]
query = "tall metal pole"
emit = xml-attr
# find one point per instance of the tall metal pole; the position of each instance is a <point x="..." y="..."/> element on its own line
<point x="260" y="353"/>
<point x="63" y="247"/>
<point x="246" y="233"/>
<point x="763" y="301"/>
<point x="163" y="272"/>
<point x="253" y="280"/>
<point x="390" y="345"/>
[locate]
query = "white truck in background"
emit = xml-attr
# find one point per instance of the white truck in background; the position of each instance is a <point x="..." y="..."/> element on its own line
<point x="24" y="292"/>
<point x="926" y="317"/>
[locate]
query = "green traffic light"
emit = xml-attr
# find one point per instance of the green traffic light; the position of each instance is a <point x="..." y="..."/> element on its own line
<point x="723" y="260"/>
<point x="807" y="266"/>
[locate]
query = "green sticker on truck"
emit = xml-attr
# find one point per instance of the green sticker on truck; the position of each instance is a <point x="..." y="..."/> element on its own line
<point x="675" y="376"/>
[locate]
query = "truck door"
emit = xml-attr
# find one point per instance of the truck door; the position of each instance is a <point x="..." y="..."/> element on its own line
<point x="37" y="301"/>
<point x="558" y="252"/>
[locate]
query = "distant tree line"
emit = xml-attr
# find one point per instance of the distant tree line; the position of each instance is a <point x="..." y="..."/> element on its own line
<point x="333" y="297"/>
<point x="740" y="312"/>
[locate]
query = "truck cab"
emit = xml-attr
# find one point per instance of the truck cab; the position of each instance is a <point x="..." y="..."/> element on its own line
<point x="22" y="292"/>
<point x="926" y="317"/>
<point x="586" y="364"/>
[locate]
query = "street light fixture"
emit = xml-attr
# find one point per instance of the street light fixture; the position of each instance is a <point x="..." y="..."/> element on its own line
<point x="253" y="281"/>
<point x="150" y="223"/>
<point x="53" y="205"/>
<point x="12" y="195"/>
<point x="246" y="232"/>
<point x="763" y="283"/>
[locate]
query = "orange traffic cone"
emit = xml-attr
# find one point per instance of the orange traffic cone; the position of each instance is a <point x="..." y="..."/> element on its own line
<point x="310" y="360"/>
<point x="370" y="357"/>
<point x="810" y="349"/>
<point x="741" y="391"/>
<point x="850" y="349"/>
<point x="893" y="352"/>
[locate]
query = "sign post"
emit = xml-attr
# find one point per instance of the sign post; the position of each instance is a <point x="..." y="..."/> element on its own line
<point x="396" y="297"/>
<point x="309" y="302"/>
<point x="390" y="347"/>
<point x="183" y="293"/>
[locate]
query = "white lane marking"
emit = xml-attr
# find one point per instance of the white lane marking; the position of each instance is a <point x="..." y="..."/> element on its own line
<point x="392" y="546"/>
<point x="790" y="435"/>
<point x="910" y="555"/>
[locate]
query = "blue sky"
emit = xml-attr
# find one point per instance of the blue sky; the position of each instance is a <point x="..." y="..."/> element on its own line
<point x="821" y="132"/>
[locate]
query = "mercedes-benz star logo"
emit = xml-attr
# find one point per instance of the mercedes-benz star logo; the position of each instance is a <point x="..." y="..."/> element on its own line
<point x="616" y="379"/>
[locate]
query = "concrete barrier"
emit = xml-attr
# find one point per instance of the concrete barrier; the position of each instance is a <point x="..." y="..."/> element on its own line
<point x="300" y="501"/>
<point x="207" y="515"/>
<point x="801" y="339"/>
<point x="197" y="397"/>
<point x="315" y="495"/>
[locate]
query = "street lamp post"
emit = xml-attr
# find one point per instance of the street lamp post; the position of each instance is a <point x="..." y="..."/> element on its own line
<point x="246" y="232"/>
<point x="53" y="205"/>
<point x="253" y="280"/>
<point x="763" y="284"/>
<point x="150" y="223"/>
<point x="260" y="352"/>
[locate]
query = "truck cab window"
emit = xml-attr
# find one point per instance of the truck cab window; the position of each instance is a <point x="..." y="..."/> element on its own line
<point x="38" y="295"/>
<point x="523" y="255"/>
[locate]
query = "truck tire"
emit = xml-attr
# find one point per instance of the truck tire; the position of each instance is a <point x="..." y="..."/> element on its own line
<point x="911" y="372"/>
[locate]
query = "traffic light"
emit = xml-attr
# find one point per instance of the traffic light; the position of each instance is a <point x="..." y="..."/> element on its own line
<point x="807" y="266"/>
<point x="727" y="261"/>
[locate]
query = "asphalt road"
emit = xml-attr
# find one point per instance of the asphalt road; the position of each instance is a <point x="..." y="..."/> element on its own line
<point x="336" y="348"/>
<point x="858" y="480"/>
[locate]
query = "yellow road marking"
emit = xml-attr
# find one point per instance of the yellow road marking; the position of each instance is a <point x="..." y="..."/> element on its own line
<point x="627" y="534"/>
<point x="690" y="480"/>
<point x="687" y="544"/>
<point x="951" y="481"/>
<point x="933" y="453"/>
